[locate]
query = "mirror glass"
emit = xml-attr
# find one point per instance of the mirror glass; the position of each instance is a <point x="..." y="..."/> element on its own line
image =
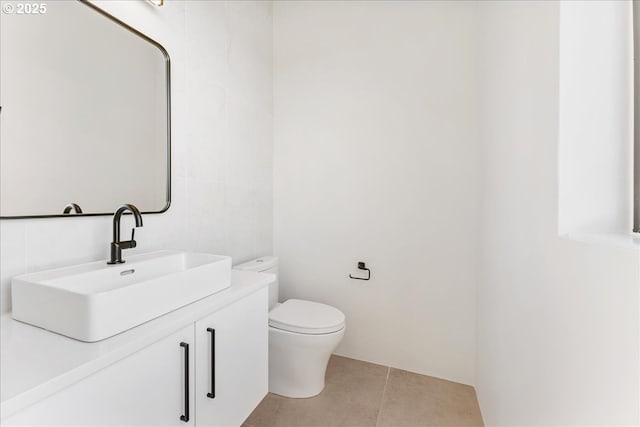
<point x="85" y="113"/>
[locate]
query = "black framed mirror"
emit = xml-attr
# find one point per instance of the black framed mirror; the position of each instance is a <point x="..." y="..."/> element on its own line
<point x="85" y="119"/>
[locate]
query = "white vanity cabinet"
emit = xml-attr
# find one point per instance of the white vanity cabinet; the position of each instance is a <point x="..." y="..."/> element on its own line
<point x="232" y="362"/>
<point x="147" y="388"/>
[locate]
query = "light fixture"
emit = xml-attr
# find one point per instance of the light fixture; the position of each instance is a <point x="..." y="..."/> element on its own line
<point x="156" y="2"/>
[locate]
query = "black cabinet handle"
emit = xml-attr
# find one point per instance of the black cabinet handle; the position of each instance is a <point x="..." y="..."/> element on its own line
<point x="185" y="417"/>
<point x="212" y="395"/>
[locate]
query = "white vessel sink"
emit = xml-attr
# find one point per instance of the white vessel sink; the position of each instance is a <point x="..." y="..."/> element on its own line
<point x="94" y="301"/>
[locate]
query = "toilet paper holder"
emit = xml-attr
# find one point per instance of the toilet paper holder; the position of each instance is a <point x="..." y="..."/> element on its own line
<point x="362" y="266"/>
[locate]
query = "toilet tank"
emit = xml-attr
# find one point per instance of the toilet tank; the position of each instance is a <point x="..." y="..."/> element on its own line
<point x="266" y="264"/>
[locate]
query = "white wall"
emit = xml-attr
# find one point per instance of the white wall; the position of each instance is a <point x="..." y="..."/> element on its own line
<point x="596" y="117"/>
<point x="375" y="160"/>
<point x="222" y="145"/>
<point x="557" y="319"/>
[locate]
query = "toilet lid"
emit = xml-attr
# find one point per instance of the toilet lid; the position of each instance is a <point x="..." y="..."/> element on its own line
<point x="306" y="317"/>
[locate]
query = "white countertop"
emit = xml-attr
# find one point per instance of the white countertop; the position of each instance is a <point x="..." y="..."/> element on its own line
<point x="35" y="363"/>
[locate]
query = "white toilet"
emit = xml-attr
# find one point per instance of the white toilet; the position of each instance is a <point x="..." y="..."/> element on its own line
<point x="302" y="337"/>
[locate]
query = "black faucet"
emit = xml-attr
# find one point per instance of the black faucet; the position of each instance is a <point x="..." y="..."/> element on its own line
<point x="116" y="245"/>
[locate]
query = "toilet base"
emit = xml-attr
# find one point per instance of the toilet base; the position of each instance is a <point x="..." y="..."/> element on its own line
<point x="298" y="362"/>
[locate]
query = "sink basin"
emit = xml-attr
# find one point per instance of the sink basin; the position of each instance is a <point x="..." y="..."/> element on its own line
<point x="91" y="302"/>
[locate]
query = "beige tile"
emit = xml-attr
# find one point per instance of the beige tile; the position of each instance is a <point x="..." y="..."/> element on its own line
<point x="351" y="398"/>
<point x="266" y="412"/>
<point x="413" y="400"/>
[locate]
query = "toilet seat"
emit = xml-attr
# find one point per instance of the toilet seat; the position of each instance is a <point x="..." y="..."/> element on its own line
<point x="306" y="317"/>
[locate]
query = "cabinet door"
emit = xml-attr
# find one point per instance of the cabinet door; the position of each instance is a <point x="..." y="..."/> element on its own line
<point x="232" y="361"/>
<point x="146" y="388"/>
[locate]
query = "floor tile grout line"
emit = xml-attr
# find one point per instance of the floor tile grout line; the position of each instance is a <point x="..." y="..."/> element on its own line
<point x="384" y="389"/>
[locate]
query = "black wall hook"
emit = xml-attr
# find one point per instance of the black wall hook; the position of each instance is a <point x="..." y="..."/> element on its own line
<point x="362" y="266"/>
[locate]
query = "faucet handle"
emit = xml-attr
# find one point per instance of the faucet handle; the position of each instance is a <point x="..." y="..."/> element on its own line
<point x="131" y="243"/>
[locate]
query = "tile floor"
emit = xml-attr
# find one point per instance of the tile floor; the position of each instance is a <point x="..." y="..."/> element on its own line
<point x="361" y="394"/>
